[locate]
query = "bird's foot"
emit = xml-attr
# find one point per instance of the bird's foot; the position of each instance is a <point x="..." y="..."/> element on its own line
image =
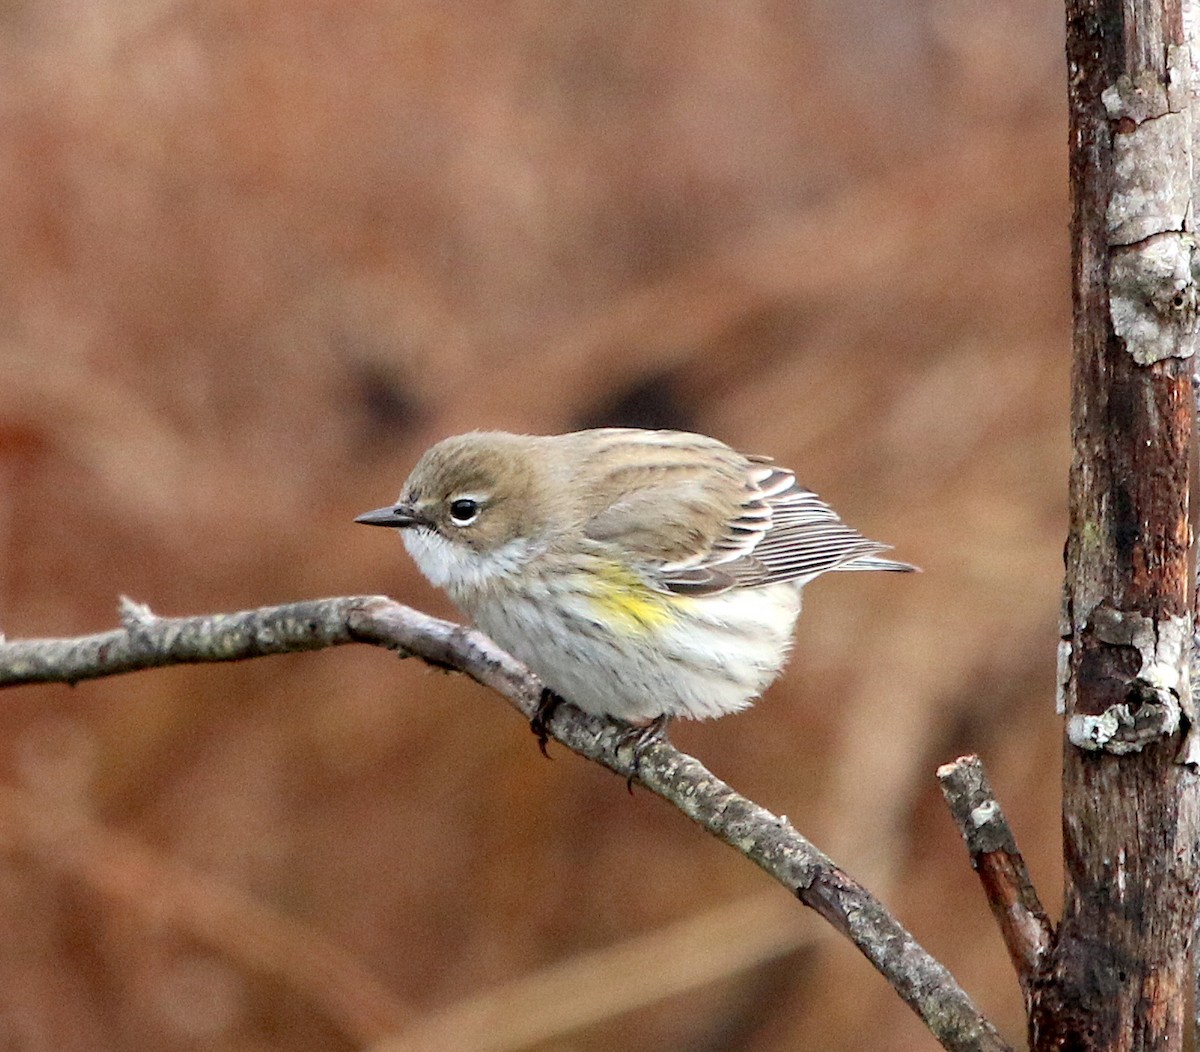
<point x="542" y="715"/>
<point x="639" y="738"/>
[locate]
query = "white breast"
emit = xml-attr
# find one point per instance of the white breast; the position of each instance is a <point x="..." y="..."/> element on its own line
<point x="720" y="655"/>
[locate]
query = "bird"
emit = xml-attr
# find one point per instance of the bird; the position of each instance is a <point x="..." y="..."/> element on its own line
<point x="642" y="575"/>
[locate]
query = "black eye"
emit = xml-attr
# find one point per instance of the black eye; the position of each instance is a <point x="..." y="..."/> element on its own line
<point x="464" y="511"/>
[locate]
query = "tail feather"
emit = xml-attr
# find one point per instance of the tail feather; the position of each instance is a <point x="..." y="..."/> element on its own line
<point x="869" y="562"/>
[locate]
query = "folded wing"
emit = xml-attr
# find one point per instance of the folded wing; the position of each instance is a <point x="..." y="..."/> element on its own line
<point x="782" y="532"/>
<point x="700" y="518"/>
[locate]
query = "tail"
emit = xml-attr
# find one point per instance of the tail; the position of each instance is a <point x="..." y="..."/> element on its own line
<point x="869" y="562"/>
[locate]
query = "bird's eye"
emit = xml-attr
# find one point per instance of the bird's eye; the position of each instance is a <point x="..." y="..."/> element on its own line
<point x="464" y="511"/>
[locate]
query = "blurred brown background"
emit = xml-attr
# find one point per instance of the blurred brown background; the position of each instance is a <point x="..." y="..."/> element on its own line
<point x="257" y="254"/>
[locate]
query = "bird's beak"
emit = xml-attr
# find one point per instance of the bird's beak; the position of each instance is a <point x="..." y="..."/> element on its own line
<point x="397" y="516"/>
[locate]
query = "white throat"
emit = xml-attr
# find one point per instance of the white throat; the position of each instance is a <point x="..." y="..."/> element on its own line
<point x="458" y="568"/>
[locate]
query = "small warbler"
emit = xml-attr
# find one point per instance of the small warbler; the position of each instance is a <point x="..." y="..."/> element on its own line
<point x="640" y="574"/>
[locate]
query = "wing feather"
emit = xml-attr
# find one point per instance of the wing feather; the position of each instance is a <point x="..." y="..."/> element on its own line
<point x="703" y="524"/>
<point x="782" y="532"/>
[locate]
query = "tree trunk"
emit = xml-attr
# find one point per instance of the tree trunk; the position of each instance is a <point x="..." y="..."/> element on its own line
<point x="1119" y="975"/>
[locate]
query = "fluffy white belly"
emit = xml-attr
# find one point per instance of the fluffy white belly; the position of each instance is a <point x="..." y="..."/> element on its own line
<point x="715" y="656"/>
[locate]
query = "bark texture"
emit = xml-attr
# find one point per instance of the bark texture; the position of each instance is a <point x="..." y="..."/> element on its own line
<point x="1119" y="973"/>
<point x="1020" y="916"/>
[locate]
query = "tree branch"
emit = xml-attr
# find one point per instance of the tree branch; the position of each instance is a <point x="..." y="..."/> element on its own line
<point x="1024" y="925"/>
<point x="148" y="641"/>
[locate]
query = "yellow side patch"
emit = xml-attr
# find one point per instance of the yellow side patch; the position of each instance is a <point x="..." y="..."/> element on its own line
<point x="624" y="603"/>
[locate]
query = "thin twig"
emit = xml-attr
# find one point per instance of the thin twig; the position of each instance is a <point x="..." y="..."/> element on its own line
<point x="1024" y="925"/>
<point x="770" y="842"/>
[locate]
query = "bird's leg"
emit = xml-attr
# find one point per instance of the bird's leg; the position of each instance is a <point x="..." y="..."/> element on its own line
<point x="639" y="737"/>
<point x="540" y="723"/>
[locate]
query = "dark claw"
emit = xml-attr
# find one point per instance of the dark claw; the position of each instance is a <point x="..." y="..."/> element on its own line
<point x="542" y="715"/>
<point x="639" y="739"/>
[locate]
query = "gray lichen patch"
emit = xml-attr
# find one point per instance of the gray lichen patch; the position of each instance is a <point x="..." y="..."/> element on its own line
<point x="1153" y="297"/>
<point x="1149" y="219"/>
<point x="1159" y="698"/>
<point x="1152" y="172"/>
<point x="1116" y="730"/>
<point x="1179" y="77"/>
<point x="1164" y="645"/>
<point x="1137" y="99"/>
<point x="1146" y="96"/>
<point x="1063" y="677"/>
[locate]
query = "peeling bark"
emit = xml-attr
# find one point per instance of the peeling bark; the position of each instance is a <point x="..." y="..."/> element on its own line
<point x="1119" y="973"/>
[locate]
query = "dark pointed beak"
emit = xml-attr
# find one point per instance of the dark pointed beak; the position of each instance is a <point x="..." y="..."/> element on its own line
<point x="397" y="516"/>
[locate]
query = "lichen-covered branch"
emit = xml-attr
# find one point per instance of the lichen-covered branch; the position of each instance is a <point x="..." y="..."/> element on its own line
<point x="1024" y="925"/>
<point x="147" y="641"/>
